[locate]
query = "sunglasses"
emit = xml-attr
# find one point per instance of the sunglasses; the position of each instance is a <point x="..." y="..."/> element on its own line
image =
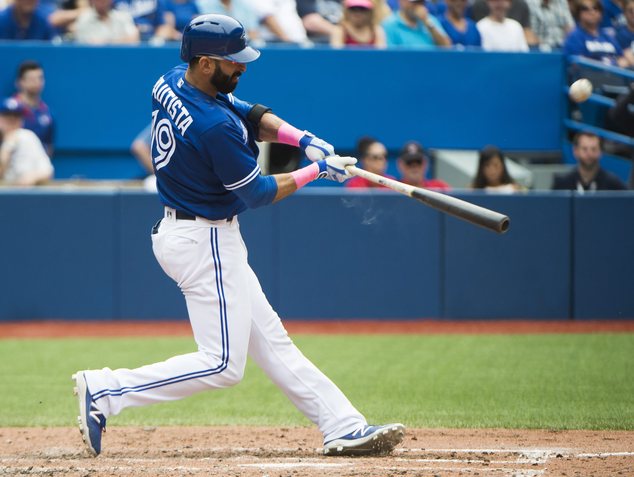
<point x="414" y="163"/>
<point x="586" y="8"/>
<point x="376" y="156"/>
<point x="358" y="9"/>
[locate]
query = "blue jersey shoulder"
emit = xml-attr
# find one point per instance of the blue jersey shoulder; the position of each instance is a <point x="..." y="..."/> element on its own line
<point x="202" y="147"/>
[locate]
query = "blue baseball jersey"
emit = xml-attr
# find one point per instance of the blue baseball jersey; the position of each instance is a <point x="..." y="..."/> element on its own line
<point x="624" y="37"/>
<point x="469" y="37"/>
<point x="204" y="150"/>
<point x="599" y="48"/>
<point x="38" y="28"/>
<point x="39" y="120"/>
<point x="148" y="15"/>
<point x="183" y="11"/>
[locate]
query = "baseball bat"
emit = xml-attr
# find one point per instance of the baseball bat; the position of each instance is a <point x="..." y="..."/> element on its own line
<point x="445" y="203"/>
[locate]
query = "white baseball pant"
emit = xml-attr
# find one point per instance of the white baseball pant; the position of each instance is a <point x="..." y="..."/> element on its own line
<point x="230" y="317"/>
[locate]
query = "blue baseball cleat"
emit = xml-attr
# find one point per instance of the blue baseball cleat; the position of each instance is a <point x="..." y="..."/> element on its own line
<point x="367" y="440"/>
<point x="92" y="422"/>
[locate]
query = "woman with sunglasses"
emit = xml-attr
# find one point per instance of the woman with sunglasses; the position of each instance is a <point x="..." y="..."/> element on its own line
<point x="358" y="27"/>
<point x="588" y="40"/>
<point x="373" y="157"/>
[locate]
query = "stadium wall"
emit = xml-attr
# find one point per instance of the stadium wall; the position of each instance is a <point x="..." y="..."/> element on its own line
<point x="100" y="97"/>
<point x="328" y="254"/>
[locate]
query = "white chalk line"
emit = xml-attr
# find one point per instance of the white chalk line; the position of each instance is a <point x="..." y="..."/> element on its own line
<point x="132" y="470"/>
<point x="515" y="472"/>
<point x="524" y="451"/>
<point x="294" y="465"/>
<point x="526" y="456"/>
<point x="474" y="461"/>
<point x="118" y="469"/>
<point x="606" y="454"/>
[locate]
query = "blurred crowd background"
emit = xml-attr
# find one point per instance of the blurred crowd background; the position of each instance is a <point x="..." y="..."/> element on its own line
<point x="600" y="31"/>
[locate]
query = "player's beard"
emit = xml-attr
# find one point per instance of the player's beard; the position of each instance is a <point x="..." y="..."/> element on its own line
<point x="222" y="82"/>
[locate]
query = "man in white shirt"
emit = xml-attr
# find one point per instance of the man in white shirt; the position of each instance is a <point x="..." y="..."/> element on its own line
<point x="101" y="24"/>
<point x="500" y="33"/>
<point x="23" y="160"/>
<point x="279" y="21"/>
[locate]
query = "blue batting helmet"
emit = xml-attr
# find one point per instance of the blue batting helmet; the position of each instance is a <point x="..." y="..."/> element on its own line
<point x="217" y="35"/>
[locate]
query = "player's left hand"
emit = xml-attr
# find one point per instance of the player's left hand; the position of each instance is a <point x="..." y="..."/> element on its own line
<point x="334" y="168"/>
<point x="315" y="149"/>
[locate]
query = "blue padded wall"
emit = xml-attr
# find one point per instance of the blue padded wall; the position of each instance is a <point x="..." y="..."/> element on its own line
<point x="59" y="254"/>
<point x="328" y="254"/>
<point x="143" y="289"/>
<point x="368" y="255"/>
<point x="524" y="273"/>
<point x="604" y="256"/>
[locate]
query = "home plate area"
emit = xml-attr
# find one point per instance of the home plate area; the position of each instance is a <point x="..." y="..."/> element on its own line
<point x="294" y="452"/>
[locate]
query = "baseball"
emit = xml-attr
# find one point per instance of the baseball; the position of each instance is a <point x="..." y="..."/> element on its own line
<point x="580" y="90"/>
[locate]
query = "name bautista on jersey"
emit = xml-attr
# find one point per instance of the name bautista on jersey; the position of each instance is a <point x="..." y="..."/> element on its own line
<point x="174" y="107"/>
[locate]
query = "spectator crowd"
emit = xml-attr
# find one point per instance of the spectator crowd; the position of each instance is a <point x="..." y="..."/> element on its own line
<point x="601" y="30"/>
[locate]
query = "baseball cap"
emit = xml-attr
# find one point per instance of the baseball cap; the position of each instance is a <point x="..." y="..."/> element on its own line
<point x="359" y="3"/>
<point x="10" y="106"/>
<point x="412" y="151"/>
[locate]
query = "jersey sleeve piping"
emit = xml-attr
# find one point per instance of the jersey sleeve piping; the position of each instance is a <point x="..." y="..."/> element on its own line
<point x="244" y="181"/>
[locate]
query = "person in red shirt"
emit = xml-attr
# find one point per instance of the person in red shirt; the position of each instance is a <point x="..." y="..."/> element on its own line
<point x="373" y="158"/>
<point x="412" y="164"/>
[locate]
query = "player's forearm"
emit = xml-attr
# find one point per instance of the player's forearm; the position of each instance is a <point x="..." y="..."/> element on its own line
<point x="286" y="185"/>
<point x="269" y="126"/>
<point x="274" y="129"/>
<point x="289" y="183"/>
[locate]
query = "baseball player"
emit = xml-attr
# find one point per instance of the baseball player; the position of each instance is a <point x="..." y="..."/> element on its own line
<point x="204" y="154"/>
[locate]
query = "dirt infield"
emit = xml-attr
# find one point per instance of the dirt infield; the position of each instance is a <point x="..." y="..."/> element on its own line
<point x="49" y="329"/>
<point x="294" y="452"/>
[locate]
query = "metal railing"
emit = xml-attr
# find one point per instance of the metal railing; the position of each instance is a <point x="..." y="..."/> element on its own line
<point x="599" y="99"/>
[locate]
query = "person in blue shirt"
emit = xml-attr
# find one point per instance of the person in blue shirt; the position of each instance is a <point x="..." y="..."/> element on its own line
<point x="413" y="26"/>
<point x="612" y="13"/>
<point x="625" y="33"/>
<point x="204" y="152"/>
<point x="180" y="12"/>
<point x="35" y="112"/>
<point x="589" y="41"/>
<point x="461" y="30"/>
<point x="23" y="21"/>
<point x="150" y="18"/>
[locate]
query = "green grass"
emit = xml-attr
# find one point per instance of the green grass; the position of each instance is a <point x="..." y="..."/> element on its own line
<point x="513" y="381"/>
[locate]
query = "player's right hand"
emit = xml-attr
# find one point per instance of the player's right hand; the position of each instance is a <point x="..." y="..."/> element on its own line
<point x="315" y="149"/>
<point x="334" y="168"/>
